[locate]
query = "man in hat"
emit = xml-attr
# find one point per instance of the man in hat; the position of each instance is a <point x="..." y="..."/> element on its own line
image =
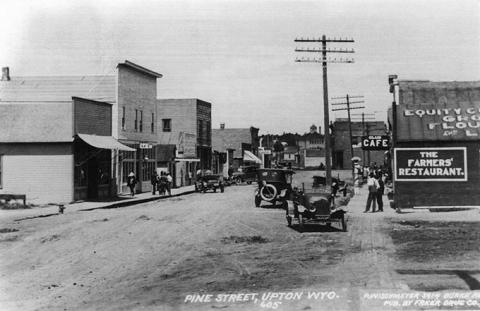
<point x="131" y="182"/>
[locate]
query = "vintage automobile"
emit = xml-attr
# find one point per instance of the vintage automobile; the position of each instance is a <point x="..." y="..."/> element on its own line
<point x="274" y="185"/>
<point x="209" y="181"/>
<point x="314" y="207"/>
<point x="247" y="174"/>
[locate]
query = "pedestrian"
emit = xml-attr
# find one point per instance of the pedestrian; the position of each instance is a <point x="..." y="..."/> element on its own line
<point x="154" y="181"/>
<point x="381" y="189"/>
<point x="169" y="183"/>
<point x="131" y="182"/>
<point x="372" y="186"/>
<point x="162" y="183"/>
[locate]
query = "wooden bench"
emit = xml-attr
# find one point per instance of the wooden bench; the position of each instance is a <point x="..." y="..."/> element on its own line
<point x="9" y="197"/>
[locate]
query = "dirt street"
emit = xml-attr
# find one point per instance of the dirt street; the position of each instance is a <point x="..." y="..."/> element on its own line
<point x="172" y="254"/>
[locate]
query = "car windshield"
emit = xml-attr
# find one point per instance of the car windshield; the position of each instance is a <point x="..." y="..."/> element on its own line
<point x="272" y="176"/>
<point x="210" y="177"/>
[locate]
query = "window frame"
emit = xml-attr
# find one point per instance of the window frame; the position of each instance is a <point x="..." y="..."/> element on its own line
<point x="136" y="120"/>
<point x="141" y="122"/>
<point x="152" y="125"/>
<point x="123" y="118"/>
<point x="164" y="128"/>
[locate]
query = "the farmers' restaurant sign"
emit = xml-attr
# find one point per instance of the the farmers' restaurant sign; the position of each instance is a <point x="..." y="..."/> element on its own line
<point x="375" y="142"/>
<point x="431" y="164"/>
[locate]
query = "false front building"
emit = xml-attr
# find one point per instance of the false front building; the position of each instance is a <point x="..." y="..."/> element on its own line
<point x="436" y="134"/>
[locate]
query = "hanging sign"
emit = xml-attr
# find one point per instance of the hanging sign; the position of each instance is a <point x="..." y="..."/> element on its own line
<point x="375" y="142"/>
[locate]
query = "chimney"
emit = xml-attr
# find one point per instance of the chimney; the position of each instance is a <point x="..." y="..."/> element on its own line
<point x="222" y="126"/>
<point x="5" y="74"/>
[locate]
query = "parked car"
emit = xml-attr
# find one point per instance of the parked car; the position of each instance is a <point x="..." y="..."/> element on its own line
<point x="314" y="208"/>
<point x="246" y="174"/>
<point x="209" y="182"/>
<point x="274" y="185"/>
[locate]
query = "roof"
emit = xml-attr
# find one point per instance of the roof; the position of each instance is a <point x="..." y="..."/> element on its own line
<point x="58" y="88"/>
<point x="139" y="68"/>
<point x="425" y="84"/>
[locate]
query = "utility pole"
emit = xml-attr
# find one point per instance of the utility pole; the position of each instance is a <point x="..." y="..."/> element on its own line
<point x="324" y="50"/>
<point x="365" y="131"/>
<point x="348" y="103"/>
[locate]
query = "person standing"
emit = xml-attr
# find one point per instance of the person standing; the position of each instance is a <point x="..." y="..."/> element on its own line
<point x="131" y="182"/>
<point x="154" y="181"/>
<point x="372" y="186"/>
<point x="169" y="183"/>
<point x="381" y="189"/>
<point x="162" y="183"/>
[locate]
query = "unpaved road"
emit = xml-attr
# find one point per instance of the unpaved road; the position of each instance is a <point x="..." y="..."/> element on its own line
<point x="152" y="256"/>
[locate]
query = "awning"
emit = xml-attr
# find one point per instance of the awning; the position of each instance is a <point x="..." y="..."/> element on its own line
<point x="248" y="156"/>
<point x="187" y="160"/>
<point x="103" y="142"/>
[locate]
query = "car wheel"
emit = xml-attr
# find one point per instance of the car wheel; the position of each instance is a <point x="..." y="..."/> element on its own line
<point x="289" y="221"/>
<point x="222" y="189"/>
<point x="249" y="182"/>
<point x="238" y="180"/>
<point x="268" y="192"/>
<point x="214" y="189"/>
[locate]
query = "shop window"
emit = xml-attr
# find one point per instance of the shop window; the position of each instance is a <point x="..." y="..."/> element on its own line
<point x="167" y="125"/>
<point x="123" y="118"/>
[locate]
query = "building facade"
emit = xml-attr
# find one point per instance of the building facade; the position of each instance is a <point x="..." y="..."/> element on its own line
<point x="186" y="124"/>
<point x="238" y="140"/>
<point x="341" y="152"/>
<point x="436" y="151"/>
<point x="135" y="123"/>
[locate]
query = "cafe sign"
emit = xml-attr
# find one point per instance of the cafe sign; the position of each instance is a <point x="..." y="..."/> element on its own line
<point x="375" y="142"/>
<point x="431" y="164"/>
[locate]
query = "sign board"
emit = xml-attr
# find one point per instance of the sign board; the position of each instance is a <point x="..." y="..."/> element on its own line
<point x="431" y="164"/>
<point x="145" y="146"/>
<point x="187" y="145"/>
<point x="375" y="142"/>
<point x="433" y="111"/>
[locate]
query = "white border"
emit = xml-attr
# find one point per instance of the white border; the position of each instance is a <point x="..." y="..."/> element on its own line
<point x="432" y="148"/>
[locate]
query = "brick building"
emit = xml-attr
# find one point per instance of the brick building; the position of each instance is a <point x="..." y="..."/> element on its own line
<point x="436" y="134"/>
<point x="187" y="125"/>
<point x="341" y="153"/>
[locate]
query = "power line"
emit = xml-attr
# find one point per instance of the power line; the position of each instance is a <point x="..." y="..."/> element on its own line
<point x="324" y="60"/>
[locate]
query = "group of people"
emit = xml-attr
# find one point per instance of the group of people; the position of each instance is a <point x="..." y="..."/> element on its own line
<point x="376" y="188"/>
<point x="161" y="183"/>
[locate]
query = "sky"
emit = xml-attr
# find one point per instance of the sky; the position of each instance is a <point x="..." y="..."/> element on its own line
<point x="240" y="55"/>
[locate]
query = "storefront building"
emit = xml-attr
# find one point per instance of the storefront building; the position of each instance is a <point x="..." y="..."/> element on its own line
<point x="186" y="124"/>
<point x="436" y="134"/>
<point x="135" y="124"/>
<point x="57" y="151"/>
